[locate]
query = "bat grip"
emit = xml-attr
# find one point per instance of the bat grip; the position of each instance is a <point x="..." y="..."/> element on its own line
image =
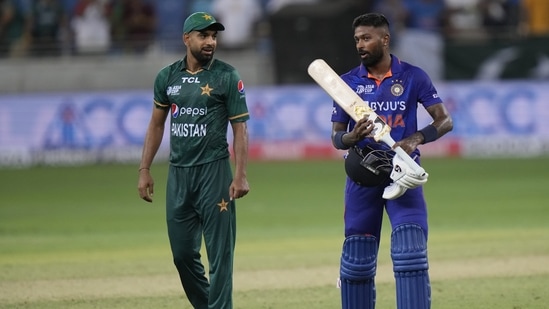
<point x="387" y="139"/>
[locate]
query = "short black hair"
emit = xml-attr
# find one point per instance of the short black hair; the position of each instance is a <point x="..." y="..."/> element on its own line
<point x="375" y="20"/>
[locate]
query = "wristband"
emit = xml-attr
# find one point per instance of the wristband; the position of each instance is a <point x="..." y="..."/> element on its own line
<point x="430" y="134"/>
<point x="338" y="140"/>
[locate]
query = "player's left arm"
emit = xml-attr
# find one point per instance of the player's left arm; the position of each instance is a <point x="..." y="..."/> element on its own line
<point x="238" y="115"/>
<point x="403" y="177"/>
<point x="442" y="124"/>
<point x="240" y="187"/>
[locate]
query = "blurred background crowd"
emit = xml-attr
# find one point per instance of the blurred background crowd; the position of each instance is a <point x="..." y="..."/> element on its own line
<point x="421" y="29"/>
<point x="59" y="27"/>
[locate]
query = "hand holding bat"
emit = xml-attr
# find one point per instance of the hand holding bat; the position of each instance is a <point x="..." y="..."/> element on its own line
<point x="363" y="129"/>
<point x="353" y="104"/>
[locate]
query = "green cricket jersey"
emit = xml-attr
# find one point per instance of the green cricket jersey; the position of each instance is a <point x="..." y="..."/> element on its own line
<point x="202" y="104"/>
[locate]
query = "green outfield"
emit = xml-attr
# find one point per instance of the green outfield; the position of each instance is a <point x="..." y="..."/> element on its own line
<point x="80" y="237"/>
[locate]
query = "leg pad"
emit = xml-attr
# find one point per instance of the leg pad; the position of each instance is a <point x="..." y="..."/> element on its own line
<point x="357" y="272"/>
<point x="410" y="265"/>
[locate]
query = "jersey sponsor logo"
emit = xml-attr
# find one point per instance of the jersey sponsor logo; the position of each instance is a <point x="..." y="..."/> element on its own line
<point x="394" y="120"/>
<point x="240" y="86"/>
<point x="387" y="105"/>
<point x="361" y="89"/>
<point x="173" y="90"/>
<point x="191" y="111"/>
<point x="190" y="80"/>
<point x="175" y="111"/>
<point x="189" y="129"/>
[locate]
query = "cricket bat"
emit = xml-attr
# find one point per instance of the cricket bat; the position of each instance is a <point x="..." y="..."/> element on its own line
<point x="353" y="104"/>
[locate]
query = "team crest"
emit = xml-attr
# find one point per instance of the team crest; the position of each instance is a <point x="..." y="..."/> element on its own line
<point x="397" y="90"/>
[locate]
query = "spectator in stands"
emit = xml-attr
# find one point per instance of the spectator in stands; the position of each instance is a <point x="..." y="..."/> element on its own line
<point x="134" y="25"/>
<point x="240" y="17"/>
<point x="394" y="11"/>
<point x="14" y="27"/>
<point x="500" y="18"/>
<point x="199" y="5"/>
<point x="274" y="5"/>
<point x="536" y="17"/>
<point x="91" y="27"/>
<point x="48" y="22"/>
<point x="422" y="40"/>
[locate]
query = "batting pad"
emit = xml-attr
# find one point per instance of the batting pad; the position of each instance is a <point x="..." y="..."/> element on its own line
<point x="357" y="272"/>
<point x="410" y="265"/>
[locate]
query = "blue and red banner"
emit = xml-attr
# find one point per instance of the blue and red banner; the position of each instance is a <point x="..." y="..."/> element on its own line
<point x="293" y="122"/>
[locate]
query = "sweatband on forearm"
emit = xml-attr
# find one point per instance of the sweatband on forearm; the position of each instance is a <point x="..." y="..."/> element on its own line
<point x="338" y="140"/>
<point x="430" y="134"/>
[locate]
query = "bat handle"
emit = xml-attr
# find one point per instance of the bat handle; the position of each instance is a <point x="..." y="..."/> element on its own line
<point x="387" y="139"/>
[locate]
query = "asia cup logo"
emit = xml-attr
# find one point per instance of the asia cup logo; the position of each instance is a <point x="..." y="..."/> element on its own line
<point x="241" y="86"/>
<point x="364" y="89"/>
<point x="175" y="111"/>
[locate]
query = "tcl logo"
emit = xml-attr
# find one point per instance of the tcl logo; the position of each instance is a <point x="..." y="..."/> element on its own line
<point x="190" y="80"/>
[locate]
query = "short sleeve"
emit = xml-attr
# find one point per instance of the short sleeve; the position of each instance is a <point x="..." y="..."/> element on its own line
<point x="427" y="94"/>
<point x="160" y="94"/>
<point x="236" y="98"/>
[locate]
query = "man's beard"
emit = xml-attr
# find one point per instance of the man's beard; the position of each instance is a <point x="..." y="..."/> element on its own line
<point x="198" y="55"/>
<point x="373" y="58"/>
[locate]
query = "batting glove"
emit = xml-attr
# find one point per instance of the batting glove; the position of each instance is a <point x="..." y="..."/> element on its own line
<point x="393" y="191"/>
<point x="406" y="177"/>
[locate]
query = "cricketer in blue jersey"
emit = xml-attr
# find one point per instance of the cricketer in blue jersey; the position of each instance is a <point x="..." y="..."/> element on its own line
<point x="393" y="89"/>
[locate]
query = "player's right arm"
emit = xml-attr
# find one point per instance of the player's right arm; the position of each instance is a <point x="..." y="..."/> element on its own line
<point x="153" y="139"/>
<point x="341" y="139"/>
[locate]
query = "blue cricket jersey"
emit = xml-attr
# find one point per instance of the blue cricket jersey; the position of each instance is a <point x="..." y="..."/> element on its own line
<point x="395" y="99"/>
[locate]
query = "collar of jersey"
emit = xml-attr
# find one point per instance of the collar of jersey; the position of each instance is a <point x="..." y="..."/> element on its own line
<point x="207" y="66"/>
<point x="396" y="67"/>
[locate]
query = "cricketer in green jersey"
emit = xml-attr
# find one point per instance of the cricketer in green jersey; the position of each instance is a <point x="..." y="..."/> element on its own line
<point x="203" y="96"/>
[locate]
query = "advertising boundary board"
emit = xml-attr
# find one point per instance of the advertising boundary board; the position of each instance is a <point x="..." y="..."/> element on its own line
<point x="491" y="119"/>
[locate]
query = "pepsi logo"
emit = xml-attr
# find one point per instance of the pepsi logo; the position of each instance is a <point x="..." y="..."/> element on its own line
<point x="175" y="110"/>
<point x="240" y="86"/>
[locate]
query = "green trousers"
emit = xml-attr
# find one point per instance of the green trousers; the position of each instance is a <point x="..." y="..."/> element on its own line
<point x="198" y="207"/>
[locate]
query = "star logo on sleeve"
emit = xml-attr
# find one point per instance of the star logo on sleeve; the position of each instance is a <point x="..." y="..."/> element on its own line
<point x="206" y="90"/>
<point x="223" y="205"/>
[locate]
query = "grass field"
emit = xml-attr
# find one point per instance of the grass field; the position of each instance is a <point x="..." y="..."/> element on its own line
<point x="81" y="238"/>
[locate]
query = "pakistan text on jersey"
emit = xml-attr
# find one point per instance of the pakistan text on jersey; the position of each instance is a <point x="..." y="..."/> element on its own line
<point x="188" y="130"/>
